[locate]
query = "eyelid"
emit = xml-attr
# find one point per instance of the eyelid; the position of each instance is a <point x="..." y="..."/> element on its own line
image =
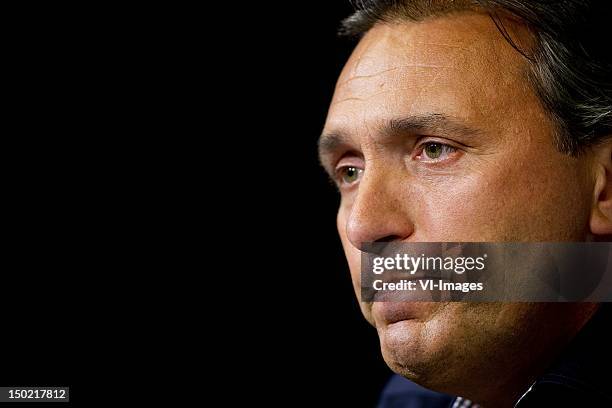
<point x="349" y="160"/>
<point x="437" y="139"/>
<point x="424" y="140"/>
<point x="442" y="140"/>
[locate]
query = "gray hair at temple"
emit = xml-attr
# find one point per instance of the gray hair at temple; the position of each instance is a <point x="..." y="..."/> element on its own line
<point x="570" y="66"/>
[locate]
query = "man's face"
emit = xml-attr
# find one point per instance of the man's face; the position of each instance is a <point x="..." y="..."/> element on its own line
<point x="434" y="135"/>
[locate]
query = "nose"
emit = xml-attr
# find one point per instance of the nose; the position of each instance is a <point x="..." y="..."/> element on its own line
<point x="379" y="213"/>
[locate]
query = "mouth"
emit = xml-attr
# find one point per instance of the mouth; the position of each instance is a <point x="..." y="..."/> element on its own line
<point x="389" y="313"/>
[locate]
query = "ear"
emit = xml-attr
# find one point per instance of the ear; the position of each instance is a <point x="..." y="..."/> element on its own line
<point x="601" y="213"/>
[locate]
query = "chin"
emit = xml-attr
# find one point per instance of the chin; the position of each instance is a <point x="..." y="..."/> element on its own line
<point x="403" y="348"/>
<point x="404" y="337"/>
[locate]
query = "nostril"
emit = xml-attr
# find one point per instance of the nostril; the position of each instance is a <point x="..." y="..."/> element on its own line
<point x="375" y="247"/>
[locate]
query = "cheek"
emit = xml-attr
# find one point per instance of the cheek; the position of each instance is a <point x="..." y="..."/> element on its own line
<point x="512" y="203"/>
<point x="459" y="207"/>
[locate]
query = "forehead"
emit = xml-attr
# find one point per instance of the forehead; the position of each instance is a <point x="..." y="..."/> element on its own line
<point x="459" y="65"/>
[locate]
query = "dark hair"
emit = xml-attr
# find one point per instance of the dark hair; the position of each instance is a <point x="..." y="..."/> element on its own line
<point x="570" y="67"/>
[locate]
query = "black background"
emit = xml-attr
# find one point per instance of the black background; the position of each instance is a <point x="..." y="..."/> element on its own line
<point x="42" y="314"/>
<point x="125" y="117"/>
<point x="137" y="130"/>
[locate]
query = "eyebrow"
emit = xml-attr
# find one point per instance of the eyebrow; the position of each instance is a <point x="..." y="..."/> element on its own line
<point x="430" y="123"/>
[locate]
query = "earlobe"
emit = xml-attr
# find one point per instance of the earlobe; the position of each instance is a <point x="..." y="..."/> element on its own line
<point x="601" y="213"/>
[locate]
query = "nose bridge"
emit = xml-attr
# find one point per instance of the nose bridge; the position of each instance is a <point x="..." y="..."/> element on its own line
<point x="380" y="210"/>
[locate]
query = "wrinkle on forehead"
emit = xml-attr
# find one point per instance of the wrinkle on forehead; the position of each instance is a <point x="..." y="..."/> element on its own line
<point x="373" y="69"/>
<point x="389" y="70"/>
<point x="403" y="77"/>
<point x="405" y="65"/>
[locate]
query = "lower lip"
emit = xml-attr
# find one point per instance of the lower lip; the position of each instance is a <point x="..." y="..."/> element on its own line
<point x="393" y="312"/>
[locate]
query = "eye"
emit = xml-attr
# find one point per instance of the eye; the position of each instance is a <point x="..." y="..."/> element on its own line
<point x="435" y="151"/>
<point x="349" y="174"/>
